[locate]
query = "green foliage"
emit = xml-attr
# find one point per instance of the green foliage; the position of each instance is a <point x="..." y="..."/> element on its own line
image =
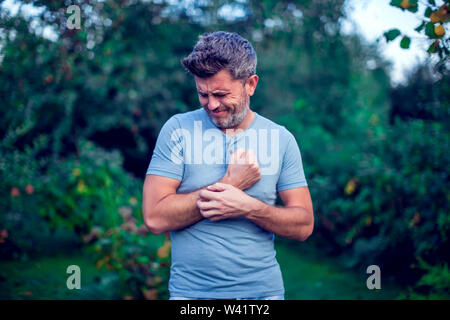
<point x="394" y="207"/>
<point x="90" y="199"/>
<point x="405" y="42"/>
<point x="394" y="204"/>
<point x="21" y="224"/>
<point x="433" y="285"/>
<point x="73" y="194"/>
<point x="392" y="34"/>
<point x="410" y="5"/>
<point x="433" y="21"/>
<point x="97" y="83"/>
<point x="78" y="110"/>
<point x="429" y="30"/>
<point x="141" y="261"/>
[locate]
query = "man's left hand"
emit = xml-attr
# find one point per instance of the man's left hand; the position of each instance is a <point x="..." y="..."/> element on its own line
<point x="223" y="201"/>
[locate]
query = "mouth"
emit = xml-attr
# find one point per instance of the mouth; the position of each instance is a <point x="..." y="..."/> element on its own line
<point x="218" y="112"/>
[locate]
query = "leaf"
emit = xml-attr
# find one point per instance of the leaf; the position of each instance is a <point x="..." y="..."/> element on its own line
<point x="413" y="7"/>
<point x="410" y="5"/>
<point x="439" y="30"/>
<point x="396" y="3"/>
<point x="420" y="28"/>
<point x="432" y="47"/>
<point x="428" y="12"/>
<point x="405" y="42"/>
<point x="432" y="2"/>
<point x="435" y="17"/>
<point x="393" y="33"/>
<point x="429" y="30"/>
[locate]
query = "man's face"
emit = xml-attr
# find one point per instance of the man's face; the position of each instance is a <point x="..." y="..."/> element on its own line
<point x="224" y="99"/>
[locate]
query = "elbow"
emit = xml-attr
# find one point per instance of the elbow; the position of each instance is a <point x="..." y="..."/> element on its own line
<point x="152" y="222"/>
<point x="305" y="233"/>
<point x="154" y="227"/>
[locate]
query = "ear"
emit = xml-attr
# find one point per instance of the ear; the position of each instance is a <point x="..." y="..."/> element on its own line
<point x="251" y="84"/>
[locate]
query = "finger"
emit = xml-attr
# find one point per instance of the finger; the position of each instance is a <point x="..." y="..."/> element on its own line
<point x="248" y="157"/>
<point x="252" y="158"/>
<point x="207" y="205"/>
<point x="243" y="153"/>
<point x="221" y="186"/>
<point x="240" y="152"/>
<point x="215" y="187"/>
<point x="245" y="158"/>
<point x="210" y="213"/>
<point x="209" y="195"/>
<point x="238" y="156"/>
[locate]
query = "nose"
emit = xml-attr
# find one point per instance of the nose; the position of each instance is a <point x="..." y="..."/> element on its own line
<point x="213" y="103"/>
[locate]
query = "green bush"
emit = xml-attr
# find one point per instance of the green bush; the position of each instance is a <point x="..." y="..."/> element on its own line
<point x="24" y="231"/>
<point x="139" y="260"/>
<point x="40" y="195"/>
<point x="87" y="189"/>
<point x="394" y="209"/>
<point x="435" y="284"/>
<point x="86" y="199"/>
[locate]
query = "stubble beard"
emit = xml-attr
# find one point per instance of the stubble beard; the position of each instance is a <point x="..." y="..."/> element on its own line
<point x="235" y="118"/>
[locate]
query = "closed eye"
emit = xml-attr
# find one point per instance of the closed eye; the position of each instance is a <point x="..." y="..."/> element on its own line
<point x="217" y="95"/>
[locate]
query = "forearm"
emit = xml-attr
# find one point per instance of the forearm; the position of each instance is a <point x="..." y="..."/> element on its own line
<point x="289" y="222"/>
<point x="176" y="211"/>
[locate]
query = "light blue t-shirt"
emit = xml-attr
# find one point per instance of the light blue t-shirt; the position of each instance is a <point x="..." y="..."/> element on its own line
<point x="232" y="258"/>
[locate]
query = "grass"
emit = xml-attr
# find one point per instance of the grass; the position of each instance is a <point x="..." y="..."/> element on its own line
<point x="308" y="275"/>
<point x="45" y="278"/>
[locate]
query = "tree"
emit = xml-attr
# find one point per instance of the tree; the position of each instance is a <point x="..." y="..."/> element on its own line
<point x="433" y="22"/>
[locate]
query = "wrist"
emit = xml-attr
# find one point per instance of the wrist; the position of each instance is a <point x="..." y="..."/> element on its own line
<point x="227" y="180"/>
<point x="256" y="209"/>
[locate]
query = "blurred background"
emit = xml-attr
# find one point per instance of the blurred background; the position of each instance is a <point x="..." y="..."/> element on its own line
<point x="363" y="86"/>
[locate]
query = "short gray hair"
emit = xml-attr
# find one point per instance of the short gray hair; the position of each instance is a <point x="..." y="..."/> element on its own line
<point x="221" y="50"/>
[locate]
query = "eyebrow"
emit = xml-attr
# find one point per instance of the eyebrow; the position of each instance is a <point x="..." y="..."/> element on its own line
<point x="215" y="91"/>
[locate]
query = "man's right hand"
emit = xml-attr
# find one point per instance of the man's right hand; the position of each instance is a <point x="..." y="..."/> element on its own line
<point x="243" y="170"/>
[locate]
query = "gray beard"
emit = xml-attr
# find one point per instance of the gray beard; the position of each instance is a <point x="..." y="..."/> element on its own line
<point x="234" y="120"/>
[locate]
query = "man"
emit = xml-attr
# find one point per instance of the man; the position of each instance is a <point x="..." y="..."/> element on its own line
<point x="213" y="178"/>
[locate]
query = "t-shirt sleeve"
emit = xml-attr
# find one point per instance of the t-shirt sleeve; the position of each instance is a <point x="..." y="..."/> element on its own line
<point x="292" y="174"/>
<point x="167" y="159"/>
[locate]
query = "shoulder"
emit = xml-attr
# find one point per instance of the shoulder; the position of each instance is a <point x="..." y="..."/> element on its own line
<point x="195" y="115"/>
<point x="183" y="120"/>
